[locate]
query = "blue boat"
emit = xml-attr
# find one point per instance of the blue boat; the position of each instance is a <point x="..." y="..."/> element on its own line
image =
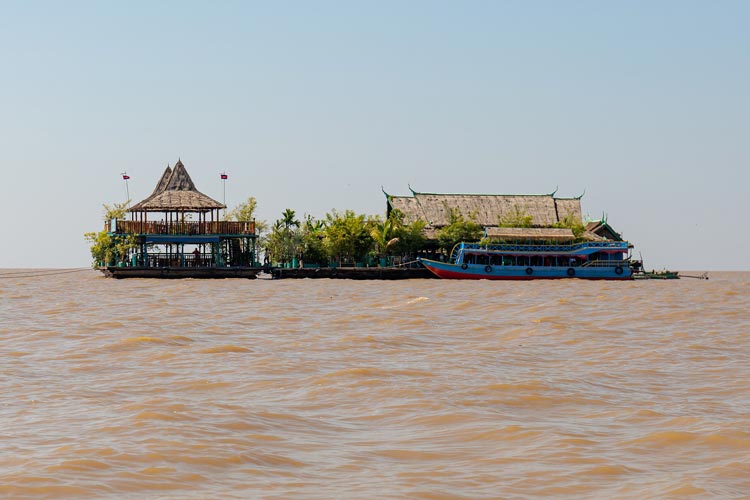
<point x="604" y="260"/>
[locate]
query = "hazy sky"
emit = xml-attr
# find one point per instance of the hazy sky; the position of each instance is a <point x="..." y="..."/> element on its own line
<point x="315" y="105"/>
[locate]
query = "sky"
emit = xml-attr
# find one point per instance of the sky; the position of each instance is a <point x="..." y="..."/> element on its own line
<point x="313" y="106"/>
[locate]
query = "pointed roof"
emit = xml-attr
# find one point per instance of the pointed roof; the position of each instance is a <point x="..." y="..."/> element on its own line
<point x="176" y="191"/>
<point x="162" y="184"/>
<point x="180" y="180"/>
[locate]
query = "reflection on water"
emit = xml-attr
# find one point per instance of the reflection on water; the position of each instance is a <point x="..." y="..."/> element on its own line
<point x="415" y="389"/>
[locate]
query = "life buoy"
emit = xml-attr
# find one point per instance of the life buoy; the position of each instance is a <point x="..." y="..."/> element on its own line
<point x="529" y="271"/>
<point x="571" y="272"/>
<point x="464" y="266"/>
<point x="488" y="269"/>
<point x="618" y="270"/>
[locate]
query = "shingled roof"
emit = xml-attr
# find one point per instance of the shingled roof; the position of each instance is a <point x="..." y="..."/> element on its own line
<point x="486" y="209"/>
<point x="176" y="191"/>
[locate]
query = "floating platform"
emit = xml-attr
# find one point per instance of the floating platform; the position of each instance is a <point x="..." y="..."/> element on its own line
<point x="350" y="273"/>
<point x="181" y="272"/>
<point x="353" y="273"/>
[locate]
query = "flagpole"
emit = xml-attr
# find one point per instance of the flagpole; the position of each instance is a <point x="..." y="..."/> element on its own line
<point x="224" y="178"/>
<point x="125" y="177"/>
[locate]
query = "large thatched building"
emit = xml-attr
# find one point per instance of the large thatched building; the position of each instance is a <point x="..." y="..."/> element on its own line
<point x="488" y="210"/>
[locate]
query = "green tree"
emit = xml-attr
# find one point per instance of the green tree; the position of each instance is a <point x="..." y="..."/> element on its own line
<point x="107" y="248"/>
<point x="347" y="236"/>
<point x="116" y="211"/>
<point x="411" y="238"/>
<point x="284" y="242"/>
<point x="313" y="249"/>
<point x="383" y="235"/>
<point x="516" y="218"/>
<point x="288" y="219"/>
<point x="575" y="225"/>
<point x="459" y="229"/>
<point x="245" y="212"/>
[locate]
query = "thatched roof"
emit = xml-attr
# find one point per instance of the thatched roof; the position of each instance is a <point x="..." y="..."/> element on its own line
<point x="162" y="184"/>
<point x="589" y="236"/>
<point x="486" y="209"/>
<point x="176" y="191"/>
<point x="603" y="230"/>
<point x="530" y="234"/>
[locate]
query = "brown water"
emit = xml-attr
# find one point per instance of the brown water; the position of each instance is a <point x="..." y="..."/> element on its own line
<point x="421" y="389"/>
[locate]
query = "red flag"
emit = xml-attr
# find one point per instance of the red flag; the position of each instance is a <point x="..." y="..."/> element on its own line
<point x="224" y="177"/>
<point x="125" y="177"/>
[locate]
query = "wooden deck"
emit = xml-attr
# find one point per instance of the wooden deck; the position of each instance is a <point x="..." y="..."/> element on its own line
<point x="354" y="273"/>
<point x="181" y="272"/>
<point x="347" y="273"/>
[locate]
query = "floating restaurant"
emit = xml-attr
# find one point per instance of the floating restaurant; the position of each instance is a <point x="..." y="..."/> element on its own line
<point x="544" y="215"/>
<point x="176" y="232"/>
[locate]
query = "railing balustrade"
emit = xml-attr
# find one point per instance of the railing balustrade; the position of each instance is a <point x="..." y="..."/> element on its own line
<point x="606" y="263"/>
<point x="176" y="260"/>
<point x="185" y="228"/>
<point x="544" y="248"/>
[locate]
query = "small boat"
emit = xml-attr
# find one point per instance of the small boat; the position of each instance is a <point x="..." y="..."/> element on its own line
<point x="608" y="260"/>
<point x="657" y="275"/>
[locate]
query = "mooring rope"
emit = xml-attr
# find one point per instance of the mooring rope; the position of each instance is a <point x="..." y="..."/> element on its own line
<point x="405" y="263"/>
<point x="36" y="274"/>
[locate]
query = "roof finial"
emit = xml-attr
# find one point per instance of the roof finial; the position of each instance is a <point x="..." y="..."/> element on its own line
<point x="579" y="197"/>
<point x="383" y="189"/>
<point x="410" y="189"/>
<point x="555" y="191"/>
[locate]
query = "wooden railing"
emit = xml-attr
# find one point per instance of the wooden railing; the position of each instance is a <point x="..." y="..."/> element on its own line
<point x="185" y="228"/>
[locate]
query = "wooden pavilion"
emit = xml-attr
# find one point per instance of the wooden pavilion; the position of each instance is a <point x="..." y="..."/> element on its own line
<point x="177" y="232"/>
